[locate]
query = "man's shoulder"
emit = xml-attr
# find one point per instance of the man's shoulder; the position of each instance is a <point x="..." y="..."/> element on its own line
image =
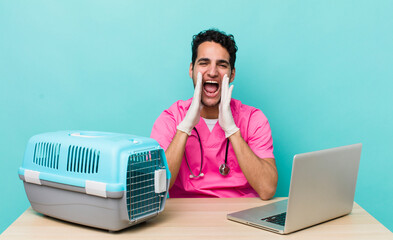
<point x="179" y="107"/>
<point x="241" y="108"/>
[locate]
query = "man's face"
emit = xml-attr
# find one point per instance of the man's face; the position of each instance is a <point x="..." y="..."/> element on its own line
<point x="213" y="63"/>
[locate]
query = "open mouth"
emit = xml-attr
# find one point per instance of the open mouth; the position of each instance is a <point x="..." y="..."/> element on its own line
<point x="211" y="88"/>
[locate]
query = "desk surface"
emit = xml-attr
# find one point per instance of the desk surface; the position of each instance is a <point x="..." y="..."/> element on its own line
<point x="197" y="219"/>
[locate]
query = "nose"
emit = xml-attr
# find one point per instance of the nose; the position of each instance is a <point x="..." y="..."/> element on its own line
<point x="212" y="71"/>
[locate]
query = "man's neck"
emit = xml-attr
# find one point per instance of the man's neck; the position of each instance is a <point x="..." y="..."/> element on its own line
<point x="209" y="112"/>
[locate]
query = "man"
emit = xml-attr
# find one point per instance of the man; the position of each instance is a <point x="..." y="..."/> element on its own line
<point x="216" y="146"/>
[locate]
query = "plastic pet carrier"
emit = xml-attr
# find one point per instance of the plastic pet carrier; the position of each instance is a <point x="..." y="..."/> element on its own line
<point x="103" y="180"/>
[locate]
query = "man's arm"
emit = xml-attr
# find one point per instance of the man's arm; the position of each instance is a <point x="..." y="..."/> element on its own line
<point x="260" y="173"/>
<point x="175" y="151"/>
<point x="174" y="154"/>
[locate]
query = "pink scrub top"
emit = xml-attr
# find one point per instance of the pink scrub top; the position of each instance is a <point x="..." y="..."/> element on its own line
<point x="255" y="130"/>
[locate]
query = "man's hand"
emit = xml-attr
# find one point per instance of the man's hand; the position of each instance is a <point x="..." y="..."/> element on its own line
<point x="225" y="118"/>
<point x="194" y="112"/>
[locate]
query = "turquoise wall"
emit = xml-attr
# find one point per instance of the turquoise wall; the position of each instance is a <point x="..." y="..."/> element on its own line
<point x="321" y="71"/>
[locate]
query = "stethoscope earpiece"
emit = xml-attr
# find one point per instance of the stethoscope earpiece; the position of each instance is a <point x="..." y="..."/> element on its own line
<point x="199" y="175"/>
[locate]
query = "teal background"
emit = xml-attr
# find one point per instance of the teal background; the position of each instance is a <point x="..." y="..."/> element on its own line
<point x="321" y="71"/>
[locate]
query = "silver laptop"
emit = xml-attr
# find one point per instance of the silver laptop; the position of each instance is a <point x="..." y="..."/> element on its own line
<point x="322" y="188"/>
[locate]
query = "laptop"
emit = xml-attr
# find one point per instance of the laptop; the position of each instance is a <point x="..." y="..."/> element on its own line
<point x="322" y="188"/>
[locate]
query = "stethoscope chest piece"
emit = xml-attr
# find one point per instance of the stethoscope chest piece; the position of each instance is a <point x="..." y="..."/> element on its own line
<point x="224" y="169"/>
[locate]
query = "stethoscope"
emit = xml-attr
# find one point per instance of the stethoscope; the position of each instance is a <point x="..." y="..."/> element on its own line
<point x="224" y="169"/>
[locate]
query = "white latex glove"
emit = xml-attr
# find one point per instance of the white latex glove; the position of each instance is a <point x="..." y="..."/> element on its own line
<point x="194" y="112"/>
<point x="225" y="118"/>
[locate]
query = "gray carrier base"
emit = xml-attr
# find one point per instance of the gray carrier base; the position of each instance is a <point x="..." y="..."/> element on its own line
<point x="74" y="205"/>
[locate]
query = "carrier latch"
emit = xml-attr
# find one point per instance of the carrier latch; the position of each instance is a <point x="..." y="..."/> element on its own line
<point x="160" y="181"/>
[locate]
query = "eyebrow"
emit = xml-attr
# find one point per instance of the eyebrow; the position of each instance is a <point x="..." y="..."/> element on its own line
<point x="203" y="60"/>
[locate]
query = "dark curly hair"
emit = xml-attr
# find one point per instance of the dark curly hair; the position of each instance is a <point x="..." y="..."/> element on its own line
<point x="214" y="35"/>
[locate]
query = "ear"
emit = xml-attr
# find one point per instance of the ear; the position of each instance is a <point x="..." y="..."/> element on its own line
<point x="191" y="70"/>
<point x="233" y="73"/>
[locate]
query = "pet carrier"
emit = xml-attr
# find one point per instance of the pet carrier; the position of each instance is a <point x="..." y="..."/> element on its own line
<point x="103" y="180"/>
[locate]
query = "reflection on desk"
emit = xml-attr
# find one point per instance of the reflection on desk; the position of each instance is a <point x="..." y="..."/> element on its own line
<point x="197" y="218"/>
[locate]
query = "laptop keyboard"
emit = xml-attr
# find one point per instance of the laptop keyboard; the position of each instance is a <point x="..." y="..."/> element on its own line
<point x="276" y="219"/>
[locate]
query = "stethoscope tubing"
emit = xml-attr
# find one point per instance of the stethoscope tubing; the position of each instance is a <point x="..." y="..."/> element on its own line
<point x="200" y="174"/>
<point x="224" y="169"/>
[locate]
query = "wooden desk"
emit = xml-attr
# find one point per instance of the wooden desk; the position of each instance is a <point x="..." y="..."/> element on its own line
<point x="197" y="219"/>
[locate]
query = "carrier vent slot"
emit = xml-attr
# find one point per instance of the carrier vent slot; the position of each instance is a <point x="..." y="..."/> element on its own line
<point x="82" y="159"/>
<point x="141" y="197"/>
<point x="47" y="154"/>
